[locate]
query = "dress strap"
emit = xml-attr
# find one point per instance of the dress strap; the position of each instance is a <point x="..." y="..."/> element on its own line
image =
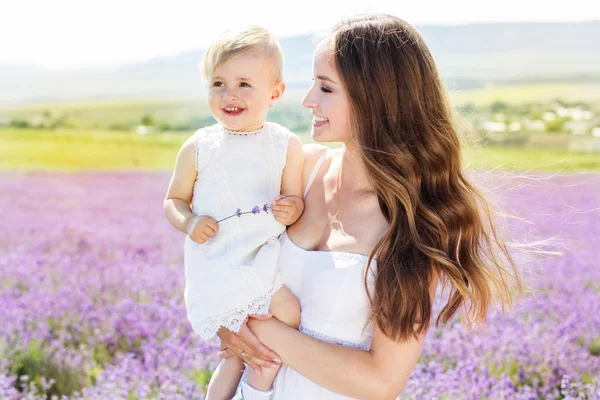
<point x="314" y="171"/>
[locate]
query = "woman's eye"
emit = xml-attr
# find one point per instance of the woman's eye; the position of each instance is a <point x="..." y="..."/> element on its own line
<point x="218" y="84"/>
<point x="325" y="89"/>
<point x="244" y="84"/>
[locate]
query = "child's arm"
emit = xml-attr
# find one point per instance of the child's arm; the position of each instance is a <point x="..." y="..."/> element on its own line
<point x="178" y="200"/>
<point x="288" y="207"/>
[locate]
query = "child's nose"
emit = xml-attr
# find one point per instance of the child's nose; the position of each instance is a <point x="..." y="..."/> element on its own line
<point x="230" y="94"/>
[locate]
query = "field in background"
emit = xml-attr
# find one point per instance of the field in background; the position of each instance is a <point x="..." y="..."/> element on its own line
<point x="104" y="150"/>
<point x="189" y="113"/>
<point x="523" y="93"/>
<point x="91" y="297"/>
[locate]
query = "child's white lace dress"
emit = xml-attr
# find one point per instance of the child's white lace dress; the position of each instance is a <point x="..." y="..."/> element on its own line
<point x="235" y="272"/>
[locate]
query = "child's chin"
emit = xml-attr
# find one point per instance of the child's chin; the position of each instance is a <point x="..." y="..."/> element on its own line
<point x="231" y="123"/>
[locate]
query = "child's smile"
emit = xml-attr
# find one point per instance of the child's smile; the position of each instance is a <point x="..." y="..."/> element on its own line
<point x="233" y="111"/>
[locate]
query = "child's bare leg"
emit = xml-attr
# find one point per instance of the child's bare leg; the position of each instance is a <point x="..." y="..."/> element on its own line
<point x="286" y="308"/>
<point x="225" y="379"/>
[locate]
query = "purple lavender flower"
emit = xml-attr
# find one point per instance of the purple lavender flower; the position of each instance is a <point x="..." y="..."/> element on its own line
<point x="256" y="210"/>
<point x="266" y="208"/>
<point x="91" y="284"/>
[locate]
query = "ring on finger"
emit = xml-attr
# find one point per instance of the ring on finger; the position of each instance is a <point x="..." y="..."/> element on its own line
<point x="243" y="354"/>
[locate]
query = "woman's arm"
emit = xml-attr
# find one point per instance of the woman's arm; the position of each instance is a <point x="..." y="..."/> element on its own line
<point x="380" y="373"/>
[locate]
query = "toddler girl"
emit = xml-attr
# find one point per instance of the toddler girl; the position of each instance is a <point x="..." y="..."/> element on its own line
<point x="235" y="187"/>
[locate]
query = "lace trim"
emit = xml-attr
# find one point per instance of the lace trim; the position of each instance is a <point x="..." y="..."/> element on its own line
<point x="332" y="339"/>
<point x="234" y="319"/>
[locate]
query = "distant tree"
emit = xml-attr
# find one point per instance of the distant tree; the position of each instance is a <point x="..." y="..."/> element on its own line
<point x="499" y="107"/>
<point x="467" y="108"/>
<point x="118" y="127"/>
<point x="164" y="126"/>
<point x="555" y="126"/>
<point x="147" y="120"/>
<point x="18" y="123"/>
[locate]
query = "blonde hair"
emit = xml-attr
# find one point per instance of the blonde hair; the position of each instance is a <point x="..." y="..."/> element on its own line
<point x="250" y="39"/>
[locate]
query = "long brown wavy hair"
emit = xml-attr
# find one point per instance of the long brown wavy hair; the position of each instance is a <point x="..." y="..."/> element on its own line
<point x="409" y="139"/>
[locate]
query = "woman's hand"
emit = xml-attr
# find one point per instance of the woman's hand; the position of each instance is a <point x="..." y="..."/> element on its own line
<point x="256" y="354"/>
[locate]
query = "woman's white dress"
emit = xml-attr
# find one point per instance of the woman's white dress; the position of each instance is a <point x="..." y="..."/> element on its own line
<point x="235" y="272"/>
<point x="335" y="307"/>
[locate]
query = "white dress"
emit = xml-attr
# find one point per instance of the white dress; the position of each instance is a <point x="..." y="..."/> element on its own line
<point x="335" y="307"/>
<point x="235" y="272"/>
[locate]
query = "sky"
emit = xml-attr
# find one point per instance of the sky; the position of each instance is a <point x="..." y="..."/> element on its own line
<point x="71" y="34"/>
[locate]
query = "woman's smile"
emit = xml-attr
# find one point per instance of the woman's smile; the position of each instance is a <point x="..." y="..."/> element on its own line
<point x="319" y="121"/>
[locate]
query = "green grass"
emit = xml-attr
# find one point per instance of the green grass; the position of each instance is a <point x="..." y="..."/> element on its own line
<point x="106" y="150"/>
<point x="525" y="93"/>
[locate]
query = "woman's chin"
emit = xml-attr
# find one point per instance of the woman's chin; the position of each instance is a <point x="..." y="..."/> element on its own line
<point x="319" y="134"/>
<point x="324" y="136"/>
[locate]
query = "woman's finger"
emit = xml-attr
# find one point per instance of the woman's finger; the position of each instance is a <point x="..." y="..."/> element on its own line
<point x="256" y="348"/>
<point x="259" y="362"/>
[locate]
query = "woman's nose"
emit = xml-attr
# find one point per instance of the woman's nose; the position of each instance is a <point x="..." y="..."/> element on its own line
<point x="308" y="100"/>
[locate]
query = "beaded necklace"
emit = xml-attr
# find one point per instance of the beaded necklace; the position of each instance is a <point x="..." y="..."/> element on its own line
<point x="236" y="133"/>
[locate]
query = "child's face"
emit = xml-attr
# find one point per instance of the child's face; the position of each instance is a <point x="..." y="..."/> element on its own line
<point x="327" y="100"/>
<point x="241" y="90"/>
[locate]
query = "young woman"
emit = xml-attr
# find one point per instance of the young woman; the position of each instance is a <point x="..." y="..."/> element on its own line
<point x="386" y="217"/>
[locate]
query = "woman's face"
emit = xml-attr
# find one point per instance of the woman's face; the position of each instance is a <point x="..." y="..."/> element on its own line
<point x="327" y="100"/>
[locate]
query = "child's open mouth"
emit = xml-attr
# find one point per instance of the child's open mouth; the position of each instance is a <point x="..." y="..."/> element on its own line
<point x="233" y="111"/>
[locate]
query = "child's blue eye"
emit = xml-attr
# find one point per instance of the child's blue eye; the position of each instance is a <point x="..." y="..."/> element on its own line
<point x="244" y="84"/>
<point x="218" y="84"/>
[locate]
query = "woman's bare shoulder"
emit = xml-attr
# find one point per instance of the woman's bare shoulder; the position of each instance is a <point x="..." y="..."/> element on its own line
<point x="312" y="152"/>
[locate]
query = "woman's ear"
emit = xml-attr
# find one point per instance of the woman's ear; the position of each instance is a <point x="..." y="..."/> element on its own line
<point x="277" y="92"/>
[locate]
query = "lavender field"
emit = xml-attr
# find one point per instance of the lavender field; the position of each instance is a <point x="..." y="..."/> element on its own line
<point x="91" y="297"/>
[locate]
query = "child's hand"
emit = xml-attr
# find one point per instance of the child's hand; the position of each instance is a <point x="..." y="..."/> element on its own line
<point x="201" y="228"/>
<point x="285" y="209"/>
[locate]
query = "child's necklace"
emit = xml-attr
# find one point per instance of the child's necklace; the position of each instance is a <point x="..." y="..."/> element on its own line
<point x="236" y="133"/>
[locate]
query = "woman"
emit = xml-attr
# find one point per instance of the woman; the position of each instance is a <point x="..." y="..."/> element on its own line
<point x="386" y="217"/>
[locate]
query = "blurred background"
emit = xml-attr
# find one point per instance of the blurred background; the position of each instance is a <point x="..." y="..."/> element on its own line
<point x="96" y="99"/>
<point x="526" y="76"/>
